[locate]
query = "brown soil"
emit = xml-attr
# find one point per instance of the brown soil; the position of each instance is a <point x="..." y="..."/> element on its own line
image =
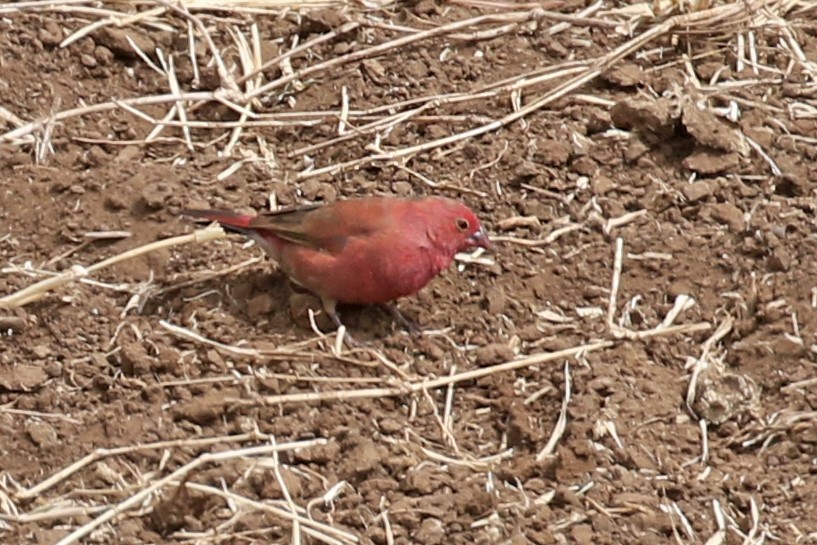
<point x="82" y="369"/>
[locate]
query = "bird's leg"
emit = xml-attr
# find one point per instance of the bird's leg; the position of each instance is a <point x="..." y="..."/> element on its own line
<point x="398" y="317"/>
<point x="330" y="307"/>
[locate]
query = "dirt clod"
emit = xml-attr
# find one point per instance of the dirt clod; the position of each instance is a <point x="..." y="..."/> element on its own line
<point x="116" y="40"/>
<point x="43" y="435"/>
<point x="698" y="191"/>
<point x="709" y="162"/>
<point x="493" y="354"/>
<point x="654" y="120"/>
<point x="201" y="410"/>
<point x="730" y="215"/>
<point x="21" y="378"/>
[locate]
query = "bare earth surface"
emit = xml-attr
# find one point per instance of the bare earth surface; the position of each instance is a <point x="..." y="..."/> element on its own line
<point x="701" y="430"/>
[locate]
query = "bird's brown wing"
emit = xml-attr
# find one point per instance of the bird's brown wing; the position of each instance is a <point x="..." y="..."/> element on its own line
<point x="323" y="227"/>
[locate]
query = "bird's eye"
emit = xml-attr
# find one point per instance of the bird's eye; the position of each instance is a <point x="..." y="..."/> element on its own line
<point x="462" y="224"/>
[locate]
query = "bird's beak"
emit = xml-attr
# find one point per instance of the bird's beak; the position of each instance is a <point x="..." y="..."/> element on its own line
<point x="480" y="239"/>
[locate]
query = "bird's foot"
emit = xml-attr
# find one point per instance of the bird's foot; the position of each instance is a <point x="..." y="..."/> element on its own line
<point x="398" y="317"/>
<point x="348" y="340"/>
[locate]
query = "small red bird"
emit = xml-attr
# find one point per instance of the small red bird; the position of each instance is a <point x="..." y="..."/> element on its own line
<point x="362" y="251"/>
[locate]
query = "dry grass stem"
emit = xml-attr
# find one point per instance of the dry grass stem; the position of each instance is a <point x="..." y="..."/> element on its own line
<point x="193" y="336"/>
<point x="561" y="422"/>
<point x="39" y="414"/>
<point x="554" y="235"/>
<point x="702" y="362"/>
<point x="612" y="305"/>
<point x="419" y="386"/>
<point x="666" y="327"/>
<point x="101" y="454"/>
<point x="40" y="289"/>
<point x="175" y="476"/>
<point x="318" y="530"/>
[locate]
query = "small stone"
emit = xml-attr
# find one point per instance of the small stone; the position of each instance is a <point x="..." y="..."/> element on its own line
<point x="390" y="426"/>
<point x="711" y="131"/>
<point x="116" y="39"/>
<point x="86" y="45"/>
<point x="99" y="361"/>
<point x="431" y="351"/>
<point x="421" y="481"/>
<point x="808" y="435"/>
<point x="156" y="195"/>
<point x="103" y="55"/>
<point x="114" y="203"/>
<point x="495" y="301"/>
<point x="321" y="454"/>
<point x="553" y="153"/>
<point x="530" y="333"/>
<point x="88" y="61"/>
<point x="50" y="34"/>
<point x="425" y="7"/>
<point x="375" y="71"/>
<point x="129" y="154"/>
<point x="327" y="193"/>
<point x="654" y="119"/>
<point x="22" y="378"/>
<point x="341" y="48"/>
<point x="625" y="75"/>
<point x="41" y="351"/>
<point x="42" y="434"/>
<point x="135" y="359"/>
<point x="598" y="121"/>
<point x="402" y="189"/>
<point x="604" y="386"/>
<point x="557" y="49"/>
<point x="361" y="459"/>
<point x="582" y="534"/>
<point x="260" y="305"/>
<point x="698" y="191"/>
<point x="729" y="215"/>
<point x="709" y="162"/>
<point x="97" y="156"/>
<point x="310" y="188"/>
<point x="52" y="535"/>
<point x="53" y="369"/>
<point x="564" y="496"/>
<point x="154" y="394"/>
<point x="779" y="261"/>
<point x="584" y="166"/>
<point x="493" y="354"/>
<point x="601" y="185"/>
<point x="202" y="410"/>
<point x="213" y="357"/>
<point x="431" y="532"/>
<point x="635" y="150"/>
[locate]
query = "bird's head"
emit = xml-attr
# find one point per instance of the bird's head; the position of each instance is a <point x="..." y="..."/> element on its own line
<point x="456" y="226"/>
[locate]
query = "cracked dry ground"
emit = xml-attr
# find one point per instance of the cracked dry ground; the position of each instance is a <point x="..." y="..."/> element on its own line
<point x="738" y="240"/>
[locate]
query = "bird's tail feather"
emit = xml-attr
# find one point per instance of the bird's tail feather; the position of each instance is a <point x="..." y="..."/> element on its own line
<point x="230" y="221"/>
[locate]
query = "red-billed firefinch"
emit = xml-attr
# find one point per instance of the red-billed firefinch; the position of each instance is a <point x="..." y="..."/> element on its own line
<point x="364" y="250"/>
